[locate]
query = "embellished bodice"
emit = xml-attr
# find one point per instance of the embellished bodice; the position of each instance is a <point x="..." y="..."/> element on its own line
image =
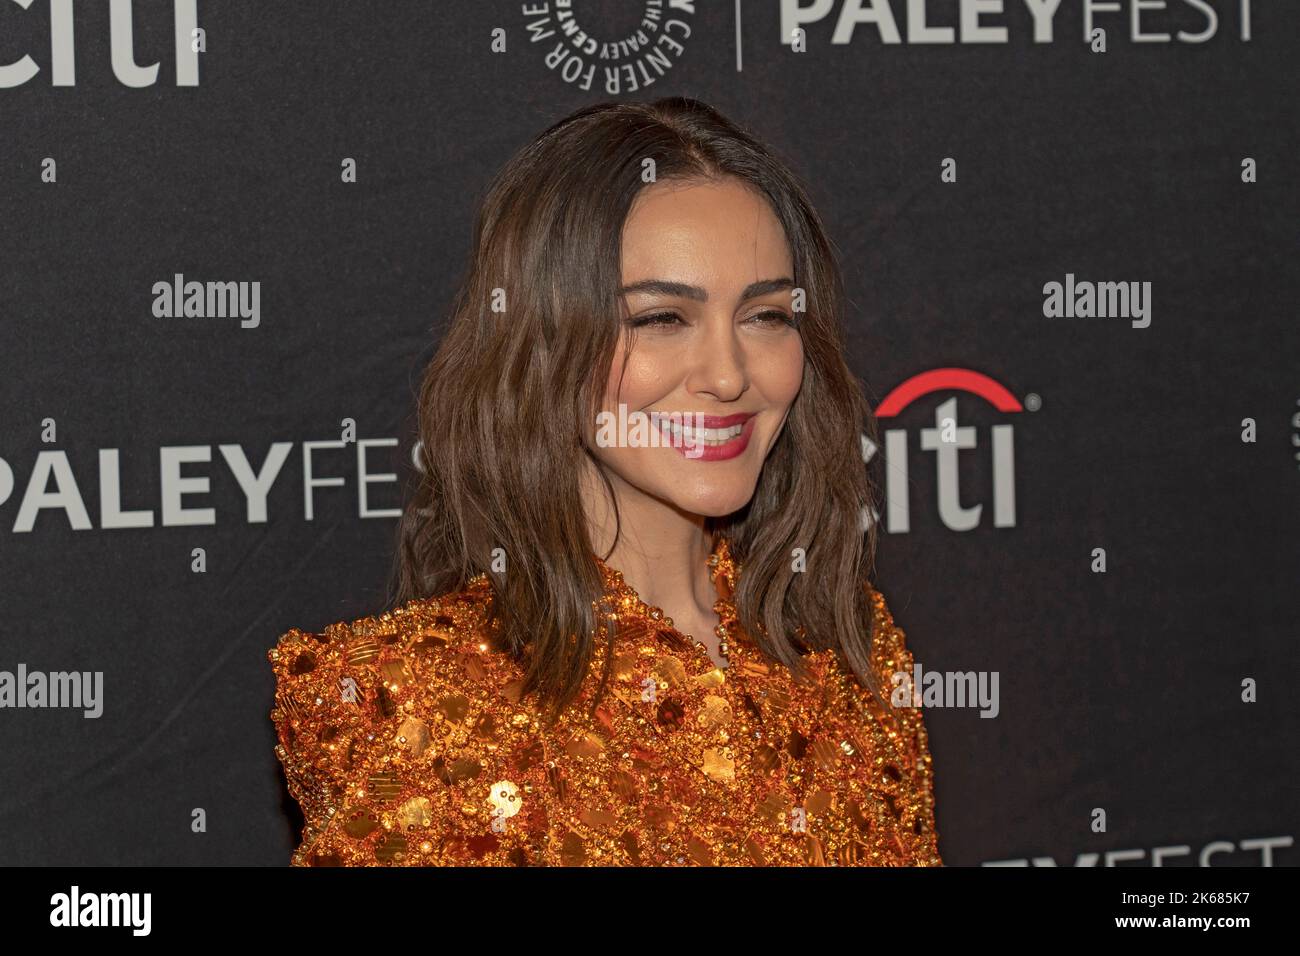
<point x="406" y="742"/>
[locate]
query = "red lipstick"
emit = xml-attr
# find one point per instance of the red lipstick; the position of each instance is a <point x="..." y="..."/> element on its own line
<point x="693" y="450"/>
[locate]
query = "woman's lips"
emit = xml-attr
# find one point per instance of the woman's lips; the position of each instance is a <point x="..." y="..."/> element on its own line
<point x="684" y="442"/>
<point x="721" y="421"/>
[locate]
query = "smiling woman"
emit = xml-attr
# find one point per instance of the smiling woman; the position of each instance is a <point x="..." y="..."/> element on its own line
<point x="612" y="652"/>
<point x="708" y="329"/>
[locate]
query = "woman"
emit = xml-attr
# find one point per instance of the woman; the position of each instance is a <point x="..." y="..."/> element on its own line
<point x="605" y="651"/>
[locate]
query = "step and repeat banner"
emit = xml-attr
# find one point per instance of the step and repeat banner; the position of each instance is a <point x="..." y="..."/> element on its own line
<point x="229" y="232"/>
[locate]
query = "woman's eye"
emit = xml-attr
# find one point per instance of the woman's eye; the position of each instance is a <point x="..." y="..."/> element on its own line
<point x="669" y="319"/>
<point x="659" y="318"/>
<point x="771" y="317"/>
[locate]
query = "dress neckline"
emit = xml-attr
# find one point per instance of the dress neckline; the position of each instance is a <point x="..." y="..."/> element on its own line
<point x="625" y="602"/>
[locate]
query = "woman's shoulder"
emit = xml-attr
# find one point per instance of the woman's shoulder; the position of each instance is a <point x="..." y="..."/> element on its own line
<point x="889" y="652"/>
<point x="892" y="664"/>
<point x="365" y="662"/>
<point x="897" y="730"/>
<point x="887" y="645"/>
<point x="426" y="627"/>
<point x="345" y="695"/>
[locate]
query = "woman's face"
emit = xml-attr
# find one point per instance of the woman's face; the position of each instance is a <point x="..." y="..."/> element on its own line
<point x="707" y="280"/>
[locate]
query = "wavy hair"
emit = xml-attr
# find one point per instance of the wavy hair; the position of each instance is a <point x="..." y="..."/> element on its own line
<point x="532" y="332"/>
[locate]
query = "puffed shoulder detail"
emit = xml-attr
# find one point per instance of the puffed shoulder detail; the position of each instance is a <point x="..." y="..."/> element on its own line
<point x="889" y="651"/>
<point x="892" y="656"/>
<point x="336" y="691"/>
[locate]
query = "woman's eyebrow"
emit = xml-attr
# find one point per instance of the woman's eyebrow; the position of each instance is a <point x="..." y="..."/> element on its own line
<point x="685" y="291"/>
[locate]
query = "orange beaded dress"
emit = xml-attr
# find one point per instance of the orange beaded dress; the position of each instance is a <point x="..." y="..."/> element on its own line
<point x="405" y="742"/>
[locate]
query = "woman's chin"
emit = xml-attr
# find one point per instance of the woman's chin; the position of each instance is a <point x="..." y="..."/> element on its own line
<point x="713" y="504"/>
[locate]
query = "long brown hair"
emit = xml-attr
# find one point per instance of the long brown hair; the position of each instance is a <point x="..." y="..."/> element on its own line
<point x="532" y="333"/>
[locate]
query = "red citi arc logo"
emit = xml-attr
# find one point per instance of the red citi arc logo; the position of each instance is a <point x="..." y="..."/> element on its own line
<point x="946" y="439"/>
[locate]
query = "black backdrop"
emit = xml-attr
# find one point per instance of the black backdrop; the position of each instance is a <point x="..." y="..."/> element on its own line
<point x="1119" y="690"/>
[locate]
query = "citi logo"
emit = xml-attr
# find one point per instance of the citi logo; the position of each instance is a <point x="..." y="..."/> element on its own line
<point x="190" y="41"/>
<point x="946" y="439"/>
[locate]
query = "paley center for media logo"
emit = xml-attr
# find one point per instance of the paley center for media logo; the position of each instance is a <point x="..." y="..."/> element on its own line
<point x="584" y="55"/>
<point x="947" y="439"/>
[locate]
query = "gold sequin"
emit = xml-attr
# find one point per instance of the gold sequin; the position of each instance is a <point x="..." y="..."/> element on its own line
<point x="715" y="713"/>
<point x="360" y="823"/>
<point x="718" y="765"/>
<point x="669" y="671"/>
<point x="414" y="735"/>
<point x="585" y="745"/>
<point x="384" y="786"/>
<point x="390" y="848"/>
<point x="416" y="812"/>
<point x="437" y="759"/>
<point x="395" y="673"/>
<point x="505" y="798"/>
<point x="454" y="707"/>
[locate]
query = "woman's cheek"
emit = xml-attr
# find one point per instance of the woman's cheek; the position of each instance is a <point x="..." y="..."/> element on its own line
<point x="781" y="368"/>
<point x="645" y="379"/>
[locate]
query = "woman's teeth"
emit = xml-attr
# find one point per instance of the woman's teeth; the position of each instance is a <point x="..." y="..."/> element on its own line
<point x="704" y="436"/>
